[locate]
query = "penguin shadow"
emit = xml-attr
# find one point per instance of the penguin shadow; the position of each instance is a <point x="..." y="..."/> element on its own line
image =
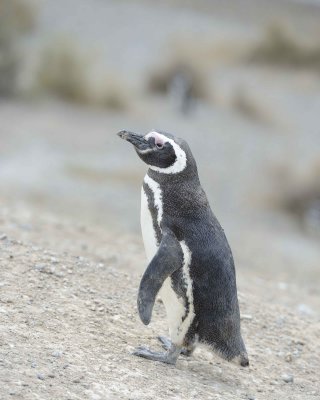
<point x="209" y="370"/>
<point x="203" y="366"/>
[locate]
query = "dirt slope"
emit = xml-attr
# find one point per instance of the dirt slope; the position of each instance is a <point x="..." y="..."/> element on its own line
<point x="68" y="322"/>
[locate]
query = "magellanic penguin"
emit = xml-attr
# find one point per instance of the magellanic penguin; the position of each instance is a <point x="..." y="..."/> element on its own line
<point x="191" y="264"/>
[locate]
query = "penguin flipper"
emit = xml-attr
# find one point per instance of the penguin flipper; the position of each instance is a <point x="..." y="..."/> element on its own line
<point x="167" y="260"/>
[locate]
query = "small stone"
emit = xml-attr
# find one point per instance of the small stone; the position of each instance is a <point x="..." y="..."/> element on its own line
<point x="282" y="285"/>
<point x="251" y="397"/>
<point x="246" y="317"/>
<point x="304" y="309"/>
<point x="288" y="357"/>
<point x="33" y="365"/>
<point x="40" y="376"/>
<point x="288" y="378"/>
<point x="57" y="353"/>
<point x="3" y="236"/>
<point x="40" y="267"/>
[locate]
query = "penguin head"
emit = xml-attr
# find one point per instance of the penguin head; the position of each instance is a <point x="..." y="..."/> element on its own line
<point x="162" y="152"/>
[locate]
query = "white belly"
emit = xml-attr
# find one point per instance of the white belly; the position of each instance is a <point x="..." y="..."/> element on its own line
<point x="175" y="307"/>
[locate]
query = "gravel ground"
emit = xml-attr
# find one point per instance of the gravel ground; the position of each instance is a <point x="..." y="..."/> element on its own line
<point x="69" y="323"/>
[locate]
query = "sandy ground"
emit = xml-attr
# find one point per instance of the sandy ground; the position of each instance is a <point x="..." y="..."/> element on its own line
<point x="69" y="322"/>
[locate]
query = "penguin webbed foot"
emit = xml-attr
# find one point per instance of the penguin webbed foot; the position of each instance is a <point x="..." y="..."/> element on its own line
<point x="169" y="357"/>
<point x="166" y="344"/>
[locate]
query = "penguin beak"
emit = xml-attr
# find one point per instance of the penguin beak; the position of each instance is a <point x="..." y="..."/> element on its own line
<point x="138" y="141"/>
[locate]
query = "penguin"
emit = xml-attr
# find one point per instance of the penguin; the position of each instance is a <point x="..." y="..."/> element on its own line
<point x="191" y="266"/>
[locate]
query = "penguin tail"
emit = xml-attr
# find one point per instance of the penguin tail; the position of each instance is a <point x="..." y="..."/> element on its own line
<point x="244" y="359"/>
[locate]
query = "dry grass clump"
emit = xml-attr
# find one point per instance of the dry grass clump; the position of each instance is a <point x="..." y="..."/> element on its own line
<point x="280" y="47"/>
<point x="305" y="206"/>
<point x="68" y="72"/>
<point x="249" y="107"/>
<point x="187" y="66"/>
<point x="17" y="17"/>
<point x="63" y="71"/>
<point x="162" y="79"/>
<point x="299" y="195"/>
<point x="190" y="59"/>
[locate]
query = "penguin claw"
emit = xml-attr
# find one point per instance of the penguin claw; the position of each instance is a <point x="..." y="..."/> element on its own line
<point x="166" y="344"/>
<point x="140" y="348"/>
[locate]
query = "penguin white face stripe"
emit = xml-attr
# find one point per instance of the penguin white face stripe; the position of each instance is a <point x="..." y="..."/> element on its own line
<point x="157" y="193"/>
<point x="181" y="162"/>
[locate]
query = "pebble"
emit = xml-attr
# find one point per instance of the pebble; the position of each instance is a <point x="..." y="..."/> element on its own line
<point x="40" y="376"/>
<point x="288" y="357"/>
<point x="288" y="378"/>
<point x="40" y="267"/>
<point x="57" y="353"/>
<point x="304" y="309"/>
<point x="246" y="316"/>
<point x="3" y="236"/>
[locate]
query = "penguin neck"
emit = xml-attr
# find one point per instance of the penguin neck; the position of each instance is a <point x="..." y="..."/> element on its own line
<point x="189" y="174"/>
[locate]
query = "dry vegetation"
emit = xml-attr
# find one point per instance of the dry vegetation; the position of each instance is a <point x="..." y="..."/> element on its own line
<point x="195" y="58"/>
<point x="66" y="71"/>
<point x="17" y="17"/>
<point x="280" y="47"/>
<point x="298" y="194"/>
<point x="243" y="103"/>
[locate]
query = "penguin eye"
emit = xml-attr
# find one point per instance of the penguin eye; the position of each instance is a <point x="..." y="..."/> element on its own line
<point x="159" y="145"/>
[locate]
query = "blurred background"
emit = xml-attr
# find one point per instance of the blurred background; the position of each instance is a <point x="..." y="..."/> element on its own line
<point x="240" y="81"/>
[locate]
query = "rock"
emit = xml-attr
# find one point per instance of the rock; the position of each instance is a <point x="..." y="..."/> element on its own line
<point x="288" y="357"/>
<point x="304" y="309"/>
<point x="246" y="317"/>
<point x="57" y="353"/>
<point x="288" y="378"/>
<point x="40" y="267"/>
<point x="282" y="285"/>
<point x="3" y="236"/>
<point x="40" y="376"/>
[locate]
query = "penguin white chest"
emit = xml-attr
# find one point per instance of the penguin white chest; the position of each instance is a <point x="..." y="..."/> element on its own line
<point x="147" y="227"/>
<point x="179" y="322"/>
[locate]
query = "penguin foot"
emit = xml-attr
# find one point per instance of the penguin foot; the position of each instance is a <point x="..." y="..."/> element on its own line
<point x="169" y="357"/>
<point x="166" y="344"/>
